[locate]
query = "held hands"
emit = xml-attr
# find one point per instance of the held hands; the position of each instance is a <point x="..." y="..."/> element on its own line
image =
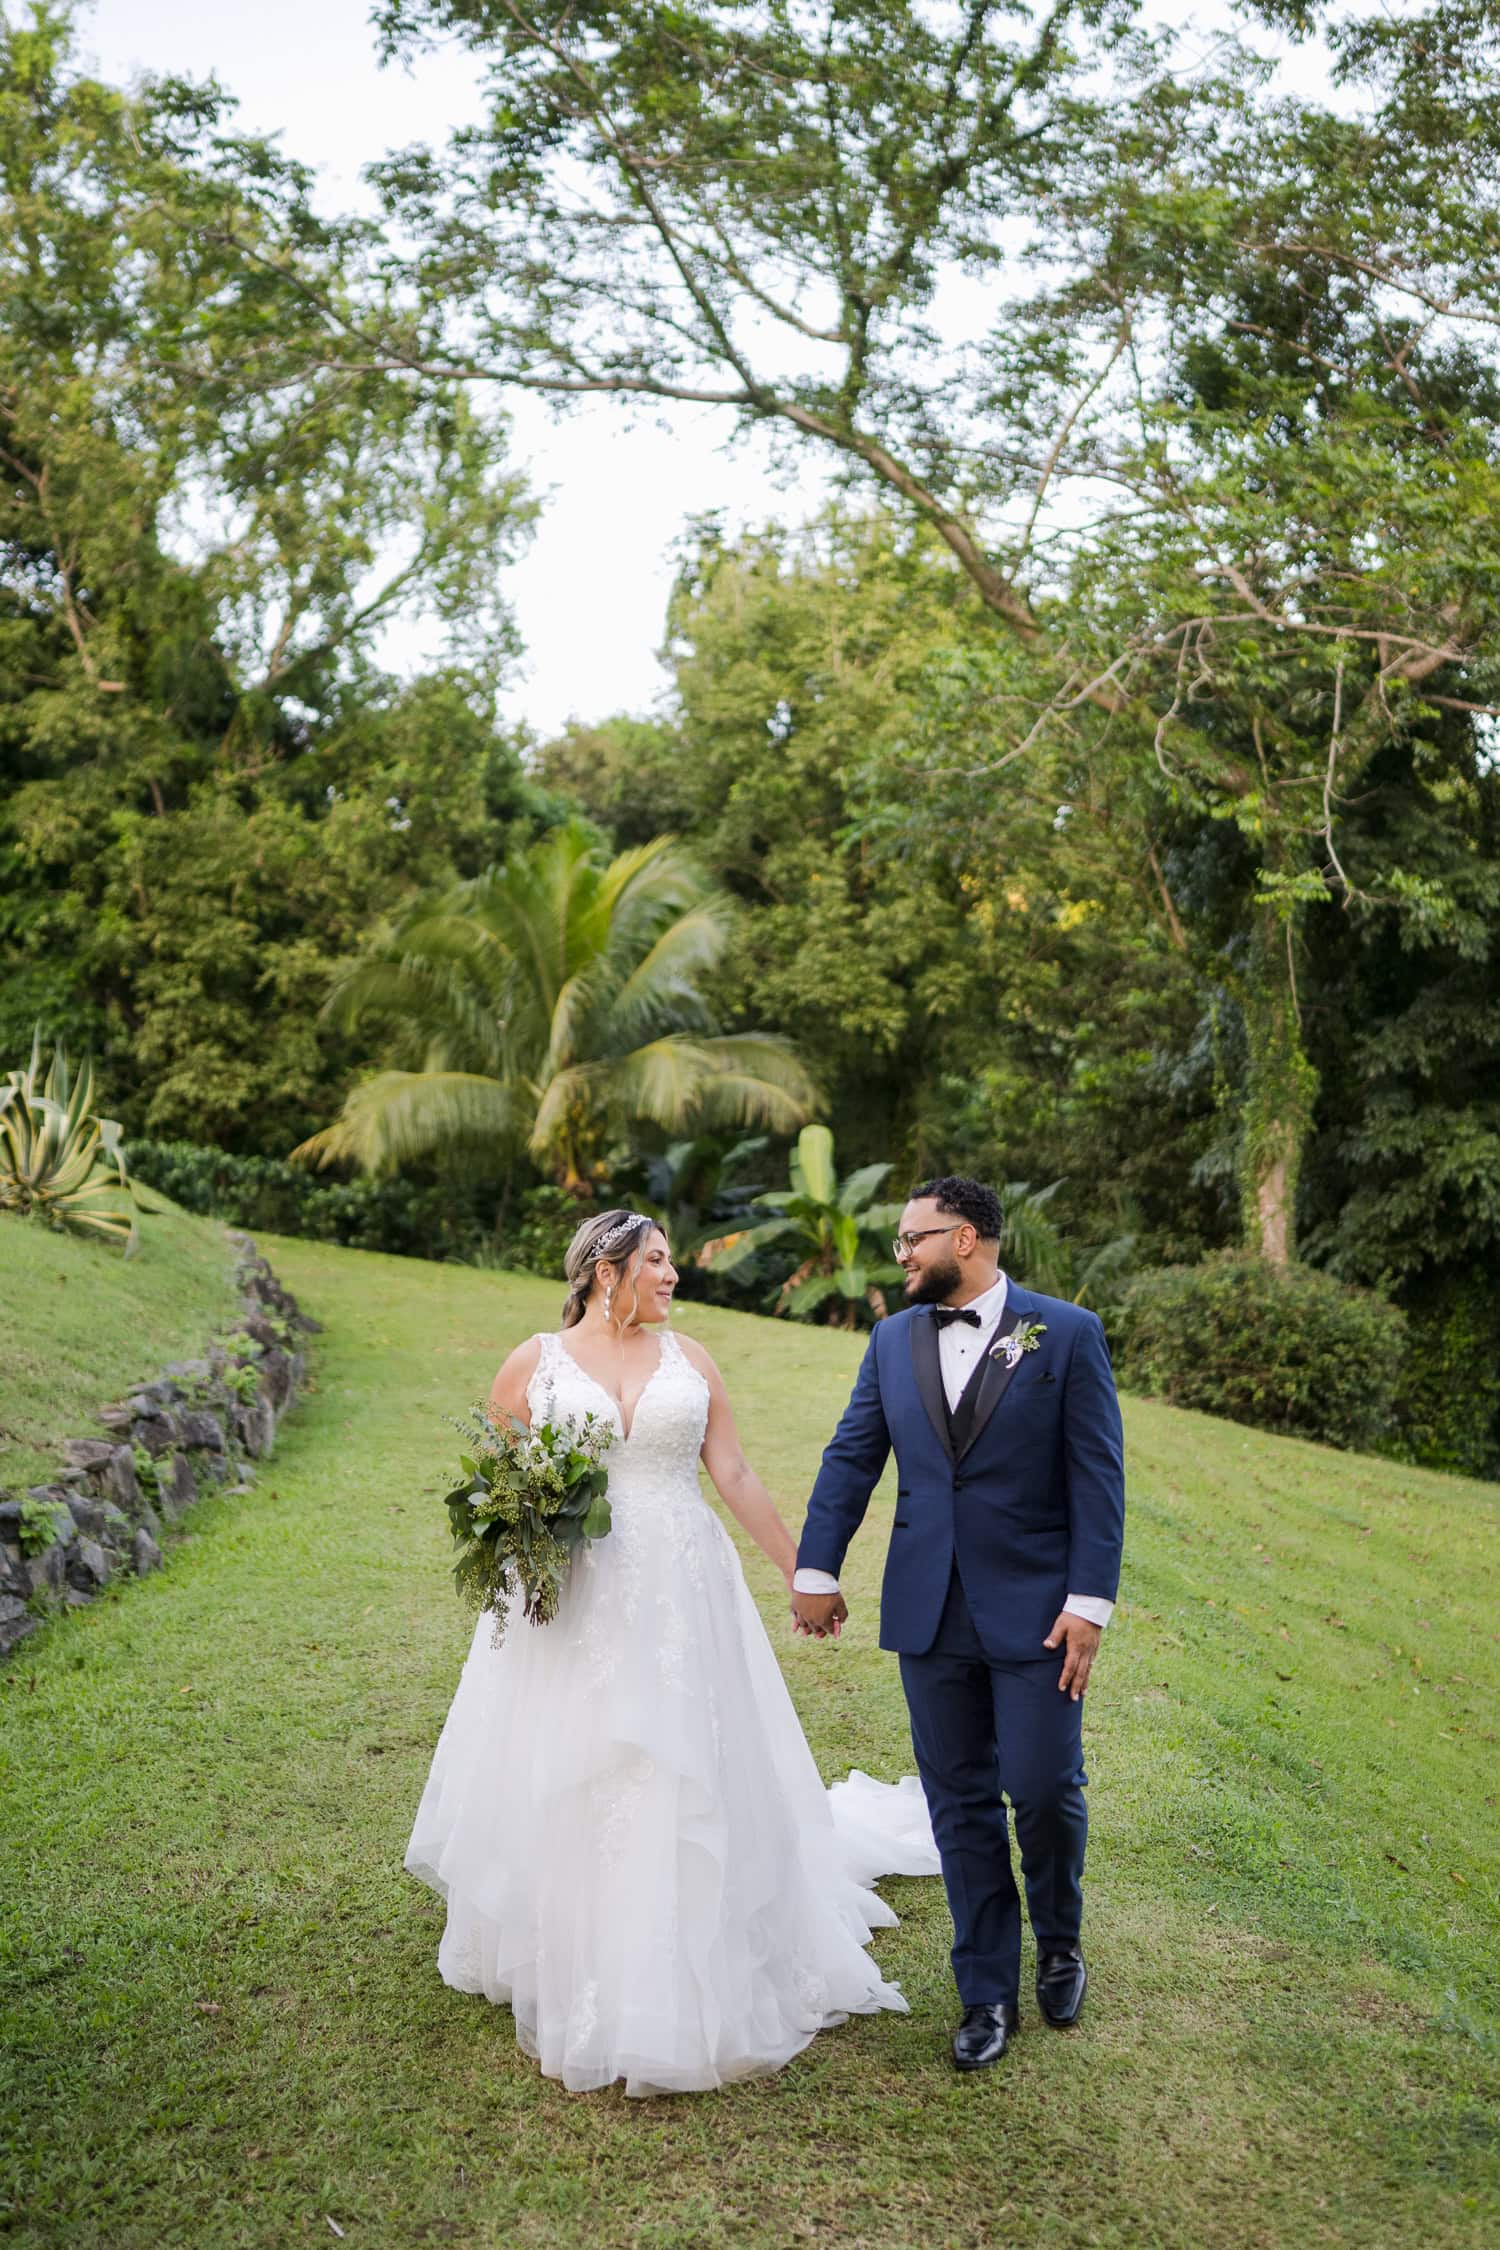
<point x="819" y="1615"/>
<point x="1081" y="1639"/>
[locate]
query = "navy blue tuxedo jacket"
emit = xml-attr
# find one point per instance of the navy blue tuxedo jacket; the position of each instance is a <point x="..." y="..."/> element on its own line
<point x="1032" y="1509"/>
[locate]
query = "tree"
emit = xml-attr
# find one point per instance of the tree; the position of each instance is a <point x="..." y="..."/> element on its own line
<point x="1403" y="1178"/>
<point x="1205" y="484"/>
<point x="208" y="792"/>
<point x="628" y="775"/>
<point x="985" y="972"/>
<point x="546" y="1007"/>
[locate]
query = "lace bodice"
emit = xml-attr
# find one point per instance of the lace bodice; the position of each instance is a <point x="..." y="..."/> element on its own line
<point x="650" y="1569"/>
<point x="660" y="1455"/>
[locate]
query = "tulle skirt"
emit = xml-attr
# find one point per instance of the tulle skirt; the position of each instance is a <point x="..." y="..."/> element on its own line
<point x="635" y="1848"/>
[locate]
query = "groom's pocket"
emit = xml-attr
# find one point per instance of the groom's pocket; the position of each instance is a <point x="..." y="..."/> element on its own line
<point x="900" y="1523"/>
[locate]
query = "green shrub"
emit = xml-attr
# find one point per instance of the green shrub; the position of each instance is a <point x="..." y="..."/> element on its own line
<point x="413" y="1218"/>
<point x="1448" y="1394"/>
<point x="536" y="1241"/>
<point x="43" y="1523"/>
<point x="1283" y="1348"/>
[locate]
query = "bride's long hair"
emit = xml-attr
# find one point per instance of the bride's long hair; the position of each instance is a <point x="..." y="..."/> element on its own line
<point x="620" y="1237"/>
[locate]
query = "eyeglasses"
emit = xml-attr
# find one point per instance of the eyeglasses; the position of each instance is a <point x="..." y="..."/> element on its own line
<point x="904" y="1244"/>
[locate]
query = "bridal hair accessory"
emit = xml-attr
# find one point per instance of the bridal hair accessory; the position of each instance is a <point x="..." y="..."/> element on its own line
<point x="1024" y="1337"/>
<point x="604" y="1236"/>
<point x="618" y="1233"/>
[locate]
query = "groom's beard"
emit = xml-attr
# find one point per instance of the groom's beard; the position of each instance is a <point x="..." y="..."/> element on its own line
<point x="937" y="1285"/>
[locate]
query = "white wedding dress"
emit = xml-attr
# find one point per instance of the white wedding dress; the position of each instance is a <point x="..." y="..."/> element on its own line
<point x="623" y="1816"/>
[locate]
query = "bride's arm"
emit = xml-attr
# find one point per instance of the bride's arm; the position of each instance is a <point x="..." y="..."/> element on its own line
<point x="508" y="1391"/>
<point x="733" y="1479"/>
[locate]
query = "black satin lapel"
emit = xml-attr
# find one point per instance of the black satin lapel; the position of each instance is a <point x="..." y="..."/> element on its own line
<point x="997" y="1377"/>
<point x="924" y="1360"/>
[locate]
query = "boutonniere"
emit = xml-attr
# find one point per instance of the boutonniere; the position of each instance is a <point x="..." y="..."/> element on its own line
<point x="1024" y="1337"/>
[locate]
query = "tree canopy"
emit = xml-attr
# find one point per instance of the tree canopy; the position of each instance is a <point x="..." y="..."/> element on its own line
<point x="1203" y="478"/>
<point x="1103" y="791"/>
<point x="209" y="791"/>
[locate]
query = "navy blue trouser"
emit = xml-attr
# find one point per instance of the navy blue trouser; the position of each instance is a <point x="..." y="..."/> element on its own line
<point x="983" y="1732"/>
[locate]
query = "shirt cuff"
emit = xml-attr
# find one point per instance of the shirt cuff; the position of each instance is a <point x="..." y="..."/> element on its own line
<point x="1092" y="1606"/>
<point x="814" y="1582"/>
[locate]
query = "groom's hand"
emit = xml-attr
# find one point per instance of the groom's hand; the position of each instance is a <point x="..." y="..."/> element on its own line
<point x="1081" y="1639"/>
<point x="819" y="1614"/>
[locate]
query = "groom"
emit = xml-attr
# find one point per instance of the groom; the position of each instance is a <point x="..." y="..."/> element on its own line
<point x="1002" y="1571"/>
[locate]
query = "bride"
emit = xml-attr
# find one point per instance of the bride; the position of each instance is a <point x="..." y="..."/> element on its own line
<point x="622" y="1814"/>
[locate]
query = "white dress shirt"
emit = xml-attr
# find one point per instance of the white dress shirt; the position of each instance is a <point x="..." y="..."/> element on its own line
<point x="959" y="1347"/>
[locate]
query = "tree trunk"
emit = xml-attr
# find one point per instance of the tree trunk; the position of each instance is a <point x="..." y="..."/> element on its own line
<point x="1280" y="1091"/>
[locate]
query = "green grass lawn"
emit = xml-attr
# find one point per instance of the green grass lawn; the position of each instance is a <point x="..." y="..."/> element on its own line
<point x="79" y="1324"/>
<point x="223" y="2018"/>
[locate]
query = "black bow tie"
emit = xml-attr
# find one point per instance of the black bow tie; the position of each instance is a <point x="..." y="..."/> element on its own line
<point x="944" y="1315"/>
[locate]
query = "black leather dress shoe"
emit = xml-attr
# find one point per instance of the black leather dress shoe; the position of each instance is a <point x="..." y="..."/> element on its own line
<point x="984" y="2034"/>
<point x="1061" y="1982"/>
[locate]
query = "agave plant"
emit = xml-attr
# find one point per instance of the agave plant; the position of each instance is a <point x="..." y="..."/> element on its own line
<point x="837" y="1226"/>
<point x="58" y="1162"/>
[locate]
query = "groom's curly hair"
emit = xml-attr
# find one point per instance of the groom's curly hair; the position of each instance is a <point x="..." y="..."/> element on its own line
<point x="967" y="1199"/>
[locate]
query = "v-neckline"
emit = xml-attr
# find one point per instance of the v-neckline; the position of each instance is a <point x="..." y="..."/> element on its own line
<point x="618" y="1403"/>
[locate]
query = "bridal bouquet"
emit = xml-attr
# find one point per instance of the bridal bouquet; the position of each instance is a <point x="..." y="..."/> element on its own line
<point x="527" y="1501"/>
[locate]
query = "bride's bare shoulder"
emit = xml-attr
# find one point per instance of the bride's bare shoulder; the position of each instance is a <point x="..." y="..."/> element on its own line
<point x="509" y="1388"/>
<point x="696" y="1356"/>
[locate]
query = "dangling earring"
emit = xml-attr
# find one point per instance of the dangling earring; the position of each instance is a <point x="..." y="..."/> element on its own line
<point x="609" y="1297"/>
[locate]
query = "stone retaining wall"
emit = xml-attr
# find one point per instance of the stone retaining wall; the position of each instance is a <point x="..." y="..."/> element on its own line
<point x="201" y="1423"/>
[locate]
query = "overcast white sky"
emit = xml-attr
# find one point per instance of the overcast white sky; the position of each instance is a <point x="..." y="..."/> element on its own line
<point x="590" y="592"/>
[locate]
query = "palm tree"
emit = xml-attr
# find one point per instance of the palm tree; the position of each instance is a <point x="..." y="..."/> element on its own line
<point x="548" y="1005"/>
<point x="836" y="1226"/>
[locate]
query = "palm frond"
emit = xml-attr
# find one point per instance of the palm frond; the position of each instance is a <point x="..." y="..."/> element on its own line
<point x="433" y="1013"/>
<point x="662" y="1081"/>
<point x="664" y="981"/>
<point x="572" y="987"/>
<point x="757" y="1079"/>
<point x="569" y="1093"/>
<point x="400" y="1114"/>
<point x="1100" y="1269"/>
<point x="1033" y="1245"/>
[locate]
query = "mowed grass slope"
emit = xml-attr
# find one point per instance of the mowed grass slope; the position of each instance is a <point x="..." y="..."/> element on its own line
<point x="224" y="2021"/>
<point x="79" y="1324"/>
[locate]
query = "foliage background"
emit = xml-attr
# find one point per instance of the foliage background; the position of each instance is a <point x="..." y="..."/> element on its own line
<point x="1101" y="792"/>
